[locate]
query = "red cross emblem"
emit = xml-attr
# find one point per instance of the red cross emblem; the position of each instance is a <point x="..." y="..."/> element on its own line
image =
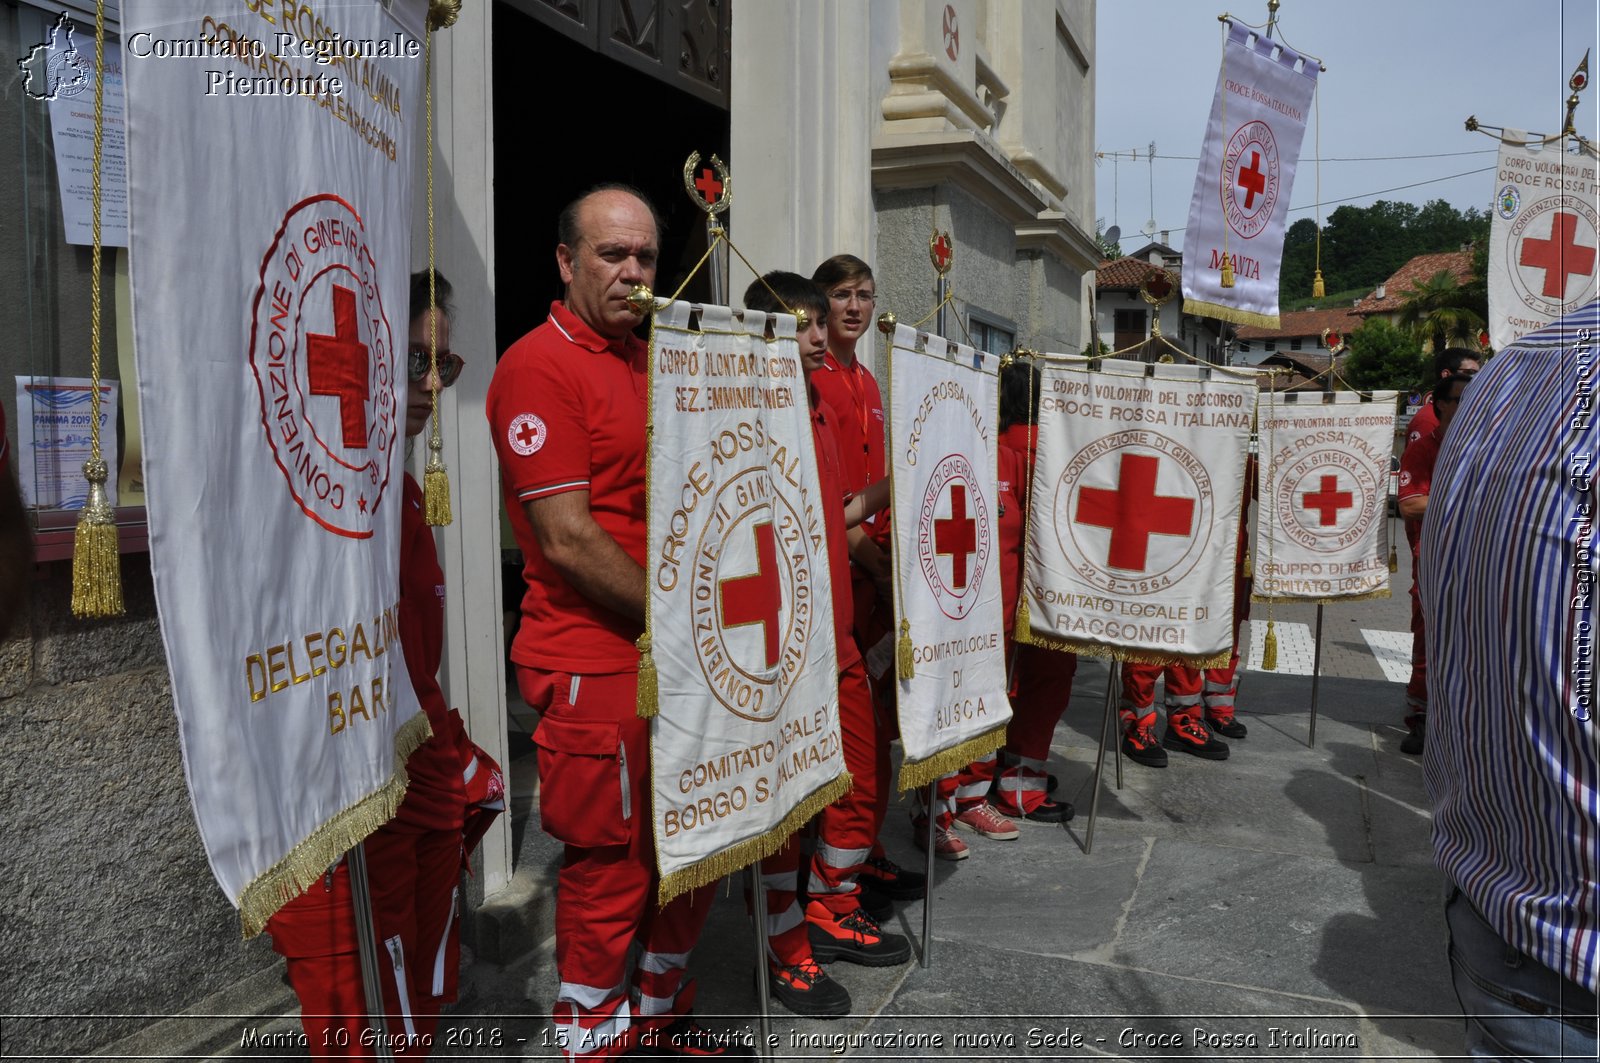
<point x="1134" y="512"/>
<point x="708" y="185"/>
<point x="1252" y="180"/>
<point x="337" y="365"/>
<point x="755" y="599"/>
<point x="1560" y="256"/>
<point x="1328" y="501"/>
<point x="956" y="536"/>
<point x="943" y="252"/>
<point x="952" y="33"/>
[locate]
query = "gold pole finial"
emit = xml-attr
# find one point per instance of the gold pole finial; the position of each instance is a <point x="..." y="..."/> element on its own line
<point x="887" y="322"/>
<point x="1577" y="83"/>
<point x="711" y="192"/>
<point x="442" y="14"/>
<point x="641" y="300"/>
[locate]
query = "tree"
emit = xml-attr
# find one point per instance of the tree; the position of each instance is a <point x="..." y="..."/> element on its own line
<point x="1382" y="357"/>
<point x="1299" y="259"/>
<point x="1108" y="248"/>
<point x="1440" y="313"/>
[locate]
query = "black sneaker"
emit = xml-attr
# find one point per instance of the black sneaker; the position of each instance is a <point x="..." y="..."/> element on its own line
<point x="685" y="1038"/>
<point x="1190" y="734"/>
<point x="1415" y="742"/>
<point x="1227" y="726"/>
<point x="893" y="880"/>
<point x="1050" y="811"/>
<point x="855" y="937"/>
<point x="1139" y="745"/>
<point x="878" y="904"/>
<point x="806" y="989"/>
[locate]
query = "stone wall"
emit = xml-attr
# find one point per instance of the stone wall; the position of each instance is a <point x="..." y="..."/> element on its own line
<point x="107" y="903"/>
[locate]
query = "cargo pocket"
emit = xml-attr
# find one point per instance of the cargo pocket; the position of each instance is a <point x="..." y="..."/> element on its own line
<point x="582" y="782"/>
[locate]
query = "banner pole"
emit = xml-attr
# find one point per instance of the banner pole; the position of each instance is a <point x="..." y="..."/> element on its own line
<point x="758" y="895"/>
<point x="367" y="939"/>
<point x="1316" y="681"/>
<point x="1112" y="676"/>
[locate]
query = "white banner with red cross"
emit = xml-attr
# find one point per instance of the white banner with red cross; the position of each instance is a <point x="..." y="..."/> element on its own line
<point x="1544" y="236"/>
<point x="1323" y="480"/>
<point x="1134" y="515"/>
<point x="271" y="363"/>
<point x="1240" y="205"/>
<point x="745" y="744"/>
<point x="943" y="401"/>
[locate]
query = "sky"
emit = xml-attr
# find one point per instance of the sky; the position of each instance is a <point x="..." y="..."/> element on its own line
<point x="1402" y="77"/>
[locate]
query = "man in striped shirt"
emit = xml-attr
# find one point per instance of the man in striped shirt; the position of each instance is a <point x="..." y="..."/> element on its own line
<point x="1508" y="578"/>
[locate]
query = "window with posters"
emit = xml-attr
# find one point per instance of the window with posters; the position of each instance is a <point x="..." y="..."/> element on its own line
<point x="45" y="266"/>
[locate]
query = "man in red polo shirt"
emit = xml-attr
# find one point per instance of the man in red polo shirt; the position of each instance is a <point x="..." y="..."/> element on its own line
<point x="567" y="408"/>
<point x="1416" y="477"/>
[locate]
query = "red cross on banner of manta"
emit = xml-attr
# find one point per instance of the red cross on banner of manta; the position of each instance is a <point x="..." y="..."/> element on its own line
<point x="1134" y="512"/>
<point x="757" y="597"/>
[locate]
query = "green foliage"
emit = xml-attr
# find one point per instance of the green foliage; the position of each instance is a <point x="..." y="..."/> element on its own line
<point x="1440" y="313"/>
<point x="1382" y="356"/>
<point x="1363" y="246"/>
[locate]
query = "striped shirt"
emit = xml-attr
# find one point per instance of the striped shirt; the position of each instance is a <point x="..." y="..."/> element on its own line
<point x="1507" y="584"/>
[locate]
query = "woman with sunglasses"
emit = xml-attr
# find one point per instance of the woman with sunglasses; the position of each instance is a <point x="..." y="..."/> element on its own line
<point x="414" y="861"/>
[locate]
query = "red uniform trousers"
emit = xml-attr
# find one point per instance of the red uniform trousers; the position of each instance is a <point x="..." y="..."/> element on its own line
<point x="414" y="878"/>
<point x="788" y="943"/>
<point x="848" y="829"/>
<point x="1041" y="683"/>
<point x="594" y="759"/>
<point x="960" y="790"/>
<point x="1221" y="687"/>
<point x="1182" y="696"/>
<point x="1417" y="686"/>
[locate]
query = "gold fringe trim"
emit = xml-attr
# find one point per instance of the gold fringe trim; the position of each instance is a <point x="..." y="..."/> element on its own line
<point x="1201" y="308"/>
<point x="1368" y="596"/>
<point x="921" y="773"/>
<point x="745" y="853"/>
<point x="1126" y="656"/>
<point x="308" y="861"/>
<point x="96" y="560"/>
<point x="648" y="703"/>
<point x="436" y="495"/>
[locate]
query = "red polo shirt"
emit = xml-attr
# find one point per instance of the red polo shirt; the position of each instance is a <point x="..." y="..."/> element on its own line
<point x="567" y="409"/>
<point x="1416" y="476"/>
<point x="1012" y="490"/>
<point x="834" y="497"/>
<point x="853" y="393"/>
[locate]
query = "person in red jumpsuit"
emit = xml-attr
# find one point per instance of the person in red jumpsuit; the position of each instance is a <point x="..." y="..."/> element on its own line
<point x="795" y="943"/>
<point x="1041" y="679"/>
<point x="567" y="411"/>
<point x="1416" y="477"/>
<point x="848" y="858"/>
<point x="414" y="862"/>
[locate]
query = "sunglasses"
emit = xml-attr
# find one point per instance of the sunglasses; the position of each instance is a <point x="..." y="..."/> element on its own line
<point x="450" y="365"/>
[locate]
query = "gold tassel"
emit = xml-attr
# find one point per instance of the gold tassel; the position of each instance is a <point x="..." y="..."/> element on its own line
<point x="436" y="491"/>
<point x="904" y="664"/>
<point x="649" y="702"/>
<point x="1227" y="273"/>
<point x="1394" y="559"/>
<point x="1024" y="620"/>
<point x="1249" y="567"/>
<point x="1318" y="289"/>
<point x="96" y="563"/>
<point x="1269" y="649"/>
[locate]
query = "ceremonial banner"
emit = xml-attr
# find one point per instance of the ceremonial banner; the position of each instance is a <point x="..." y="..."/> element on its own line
<point x="1323" y="480"/>
<point x="1241" y="192"/>
<point x="1134" y="512"/>
<point x="1542" y="238"/>
<point x="271" y="360"/>
<point x="745" y="746"/>
<point x="943" y="400"/>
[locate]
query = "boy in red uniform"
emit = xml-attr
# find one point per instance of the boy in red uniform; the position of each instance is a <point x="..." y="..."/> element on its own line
<point x="1416" y="476"/>
<point x="834" y="926"/>
<point x="846" y="385"/>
